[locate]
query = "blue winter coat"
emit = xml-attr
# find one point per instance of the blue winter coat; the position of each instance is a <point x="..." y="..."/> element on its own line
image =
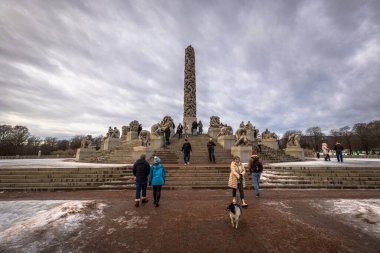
<point x="157" y="174"/>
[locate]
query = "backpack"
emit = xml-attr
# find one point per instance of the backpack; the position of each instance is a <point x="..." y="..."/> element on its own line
<point x="257" y="166"/>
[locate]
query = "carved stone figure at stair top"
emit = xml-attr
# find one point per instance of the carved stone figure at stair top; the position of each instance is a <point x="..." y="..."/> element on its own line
<point x="241" y="140"/>
<point x="268" y="135"/>
<point x="249" y="126"/>
<point x="109" y="133"/>
<point x="86" y="142"/>
<point x="294" y="140"/>
<point x="125" y="130"/>
<point x="158" y="129"/>
<point x="134" y="126"/>
<point x="241" y="136"/>
<point x="242" y="125"/>
<point x="215" y="122"/>
<point x="115" y="133"/>
<point x="144" y="137"/>
<point x="225" y="130"/>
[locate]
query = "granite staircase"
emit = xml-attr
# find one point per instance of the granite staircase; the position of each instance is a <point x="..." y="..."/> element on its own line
<point x="173" y="154"/>
<point x="121" y="154"/>
<point x="269" y="155"/>
<point x="212" y="176"/>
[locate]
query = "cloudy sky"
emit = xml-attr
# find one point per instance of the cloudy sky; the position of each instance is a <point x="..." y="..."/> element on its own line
<point x="77" y="67"/>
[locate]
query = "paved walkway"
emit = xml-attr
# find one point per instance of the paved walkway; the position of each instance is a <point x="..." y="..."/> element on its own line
<point x="192" y="221"/>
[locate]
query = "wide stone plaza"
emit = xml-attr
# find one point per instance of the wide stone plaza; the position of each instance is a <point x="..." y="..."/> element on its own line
<point x="299" y="220"/>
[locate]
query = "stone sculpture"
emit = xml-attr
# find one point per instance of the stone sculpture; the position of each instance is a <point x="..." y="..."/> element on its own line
<point x="115" y="133"/>
<point x="134" y="126"/>
<point x="109" y="133"/>
<point x="189" y="106"/>
<point x="125" y="130"/>
<point x="158" y="129"/>
<point x="241" y="136"/>
<point x="144" y="138"/>
<point x="215" y="122"/>
<point x="268" y="135"/>
<point x="225" y="130"/>
<point x="294" y="140"/>
<point x="86" y="142"/>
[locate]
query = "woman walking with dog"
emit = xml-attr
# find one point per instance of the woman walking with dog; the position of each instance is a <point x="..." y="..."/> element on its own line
<point x="236" y="180"/>
<point x="157" y="179"/>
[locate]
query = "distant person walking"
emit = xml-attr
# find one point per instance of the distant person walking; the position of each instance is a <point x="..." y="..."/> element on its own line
<point x="186" y="149"/>
<point x="211" y="148"/>
<point x="200" y="127"/>
<point x="194" y="128"/>
<point x="339" y="149"/>
<point x="157" y="179"/>
<point x="141" y="170"/>
<point x="236" y="180"/>
<point x="179" y="130"/>
<point x="326" y="150"/>
<point x="255" y="168"/>
<point x="185" y="129"/>
<point x="167" y="135"/>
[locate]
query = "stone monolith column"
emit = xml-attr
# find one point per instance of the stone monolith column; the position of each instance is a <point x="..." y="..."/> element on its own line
<point x="190" y="99"/>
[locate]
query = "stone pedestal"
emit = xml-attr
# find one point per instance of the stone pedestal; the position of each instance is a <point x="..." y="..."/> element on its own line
<point x="271" y="143"/>
<point x="157" y="142"/>
<point x="189" y="122"/>
<point x="243" y="152"/>
<point x="39" y="153"/>
<point x="213" y="132"/>
<point x="132" y="136"/>
<point x="227" y="141"/>
<point x="111" y="143"/>
<point x="83" y="153"/>
<point x="138" y="151"/>
<point x="295" y="152"/>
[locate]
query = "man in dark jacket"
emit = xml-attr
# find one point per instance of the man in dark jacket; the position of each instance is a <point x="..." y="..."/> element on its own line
<point x="141" y="170"/>
<point x="186" y="149"/>
<point x="255" y="168"/>
<point x="338" y="149"/>
<point x="210" y="148"/>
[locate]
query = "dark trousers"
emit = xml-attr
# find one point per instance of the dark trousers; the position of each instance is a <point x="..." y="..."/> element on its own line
<point x="157" y="193"/>
<point x="186" y="157"/>
<point x="241" y="191"/>
<point x="140" y="186"/>
<point x="339" y="156"/>
<point x="211" y="155"/>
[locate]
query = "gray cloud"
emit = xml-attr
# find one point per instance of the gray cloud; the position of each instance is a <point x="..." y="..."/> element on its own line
<point x="72" y="67"/>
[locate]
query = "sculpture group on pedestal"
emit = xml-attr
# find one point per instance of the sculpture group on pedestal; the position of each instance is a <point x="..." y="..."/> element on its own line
<point x="86" y="142"/>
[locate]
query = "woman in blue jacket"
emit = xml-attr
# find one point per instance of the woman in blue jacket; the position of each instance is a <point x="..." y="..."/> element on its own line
<point x="157" y="179"/>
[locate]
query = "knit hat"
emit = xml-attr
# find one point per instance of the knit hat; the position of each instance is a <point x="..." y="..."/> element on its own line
<point x="156" y="159"/>
<point x="254" y="154"/>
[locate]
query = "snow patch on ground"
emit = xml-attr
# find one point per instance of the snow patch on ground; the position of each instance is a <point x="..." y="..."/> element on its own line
<point x="32" y="226"/>
<point x="362" y="214"/>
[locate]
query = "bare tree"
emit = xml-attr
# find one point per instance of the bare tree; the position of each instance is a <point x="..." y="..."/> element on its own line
<point x="315" y="137"/>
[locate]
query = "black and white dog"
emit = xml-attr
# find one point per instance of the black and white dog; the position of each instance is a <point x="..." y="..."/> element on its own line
<point x="235" y="213"/>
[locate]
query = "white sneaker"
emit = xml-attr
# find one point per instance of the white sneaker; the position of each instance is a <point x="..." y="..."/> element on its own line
<point x="188" y="163"/>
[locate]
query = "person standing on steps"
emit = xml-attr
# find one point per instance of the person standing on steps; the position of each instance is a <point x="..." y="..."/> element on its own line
<point x="236" y="180"/>
<point x="194" y="128"/>
<point x="157" y="179"/>
<point x="186" y="149"/>
<point x="339" y="149"/>
<point x="210" y="148"/>
<point x="179" y="130"/>
<point x="326" y="150"/>
<point x="200" y="127"/>
<point x="141" y="170"/>
<point x="255" y="169"/>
